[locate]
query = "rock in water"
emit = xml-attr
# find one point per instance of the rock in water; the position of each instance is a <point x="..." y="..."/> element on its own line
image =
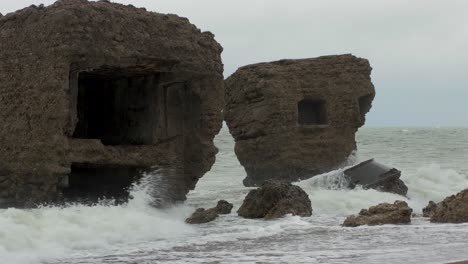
<point x="274" y="200"/>
<point x="223" y="207"/>
<point x="396" y="186"/>
<point x="294" y="119"/>
<point x="372" y="175"/>
<point x="453" y="209"/>
<point x="201" y="216"/>
<point x="428" y="211"/>
<point x="381" y="214"/>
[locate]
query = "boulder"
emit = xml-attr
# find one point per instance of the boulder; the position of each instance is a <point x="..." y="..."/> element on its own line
<point x="428" y="211"/>
<point x="381" y="214"/>
<point x="274" y="200"/>
<point x="396" y="186"/>
<point x="294" y="119"/>
<point x="453" y="209"/>
<point x="372" y="175"/>
<point x="223" y="207"/>
<point x="201" y="216"/>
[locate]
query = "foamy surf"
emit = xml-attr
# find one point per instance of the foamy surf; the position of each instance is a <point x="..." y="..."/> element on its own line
<point x="51" y="233"/>
<point x="136" y="230"/>
<point x="138" y="233"/>
<point x="330" y="195"/>
<point x="433" y="182"/>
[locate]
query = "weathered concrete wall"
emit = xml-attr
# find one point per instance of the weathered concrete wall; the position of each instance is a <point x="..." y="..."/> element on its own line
<point x="262" y="114"/>
<point x="42" y="52"/>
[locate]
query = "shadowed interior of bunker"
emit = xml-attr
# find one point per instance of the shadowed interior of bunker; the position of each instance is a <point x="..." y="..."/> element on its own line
<point x="88" y="183"/>
<point x="119" y="107"/>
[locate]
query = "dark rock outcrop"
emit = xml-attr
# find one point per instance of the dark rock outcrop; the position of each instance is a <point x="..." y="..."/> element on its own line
<point x="201" y="216"/>
<point x="223" y="207"/>
<point x="293" y="119"/>
<point x="373" y="175"/>
<point x="396" y="186"/>
<point x="381" y="214"/>
<point x="429" y="210"/>
<point x="158" y="105"/>
<point x="453" y="209"/>
<point x="274" y="200"/>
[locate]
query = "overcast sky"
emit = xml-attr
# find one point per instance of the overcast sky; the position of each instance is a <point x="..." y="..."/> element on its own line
<point x="417" y="48"/>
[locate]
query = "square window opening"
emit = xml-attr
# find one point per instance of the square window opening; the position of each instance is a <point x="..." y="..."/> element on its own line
<point x="116" y="106"/>
<point x="312" y="112"/>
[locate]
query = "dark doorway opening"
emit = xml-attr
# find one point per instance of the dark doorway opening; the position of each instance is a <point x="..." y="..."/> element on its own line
<point x="116" y="107"/>
<point x="312" y="112"/>
<point x="90" y="183"/>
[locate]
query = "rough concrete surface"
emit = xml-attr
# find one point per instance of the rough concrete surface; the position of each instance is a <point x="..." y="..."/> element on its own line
<point x="293" y="119"/>
<point x="99" y="84"/>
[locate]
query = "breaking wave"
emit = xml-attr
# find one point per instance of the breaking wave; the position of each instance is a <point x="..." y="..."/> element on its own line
<point x="329" y="193"/>
<point x="48" y="233"/>
<point x="135" y="231"/>
<point x="433" y="182"/>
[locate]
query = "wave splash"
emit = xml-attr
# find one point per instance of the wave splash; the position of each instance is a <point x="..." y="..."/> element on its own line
<point x="330" y="194"/>
<point x="52" y="232"/>
<point x="77" y="231"/>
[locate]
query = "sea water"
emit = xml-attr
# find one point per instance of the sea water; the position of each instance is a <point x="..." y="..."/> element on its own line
<point x="433" y="162"/>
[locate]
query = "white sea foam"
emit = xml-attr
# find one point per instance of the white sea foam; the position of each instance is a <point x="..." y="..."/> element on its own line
<point x="432" y="182"/>
<point x="330" y="196"/>
<point x="138" y="233"/>
<point x="47" y="233"/>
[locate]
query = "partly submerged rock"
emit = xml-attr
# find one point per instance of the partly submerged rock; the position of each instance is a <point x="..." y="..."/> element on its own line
<point x="274" y="200"/>
<point x="201" y="216"/>
<point x="428" y="211"/>
<point x="393" y="186"/>
<point x="453" y="209"/>
<point x="373" y="175"/>
<point x="381" y="214"/>
<point x="223" y="207"/>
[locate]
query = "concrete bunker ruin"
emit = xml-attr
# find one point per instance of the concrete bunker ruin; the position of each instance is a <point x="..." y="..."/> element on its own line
<point x="294" y="119"/>
<point x="96" y="91"/>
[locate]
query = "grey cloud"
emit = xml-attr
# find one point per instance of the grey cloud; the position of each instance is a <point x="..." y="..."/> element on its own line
<point x="417" y="48"/>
